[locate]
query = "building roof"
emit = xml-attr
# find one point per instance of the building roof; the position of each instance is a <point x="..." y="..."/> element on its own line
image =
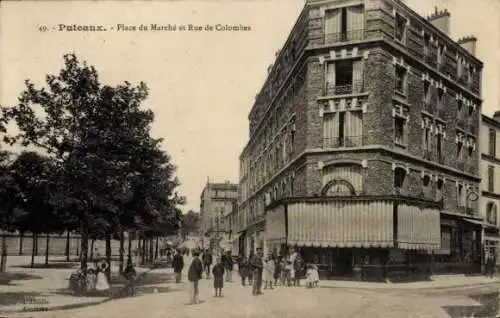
<point x="491" y="121"/>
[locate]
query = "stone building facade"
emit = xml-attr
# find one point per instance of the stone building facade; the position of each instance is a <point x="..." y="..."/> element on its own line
<point x="490" y="185"/>
<point x="217" y="203"/>
<point x="362" y="148"/>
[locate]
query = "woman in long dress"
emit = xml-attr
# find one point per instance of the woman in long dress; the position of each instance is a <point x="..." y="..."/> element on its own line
<point x="102" y="281"/>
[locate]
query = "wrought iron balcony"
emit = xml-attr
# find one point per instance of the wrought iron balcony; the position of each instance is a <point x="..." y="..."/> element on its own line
<point x="428" y="107"/>
<point x="440" y="158"/>
<point x="441" y="112"/>
<point x="431" y="59"/>
<point x="355" y="87"/>
<point x="353" y="35"/>
<point x="461" y="123"/>
<point x="349" y="141"/>
<point x="427" y="154"/>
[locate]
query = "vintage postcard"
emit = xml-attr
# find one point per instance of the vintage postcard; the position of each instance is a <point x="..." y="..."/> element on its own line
<point x="266" y="158"/>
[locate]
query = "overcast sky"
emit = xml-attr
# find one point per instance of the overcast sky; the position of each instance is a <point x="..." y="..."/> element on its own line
<point x="202" y="84"/>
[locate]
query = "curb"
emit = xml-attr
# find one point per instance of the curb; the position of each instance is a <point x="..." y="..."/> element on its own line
<point x="115" y="295"/>
<point x="428" y="288"/>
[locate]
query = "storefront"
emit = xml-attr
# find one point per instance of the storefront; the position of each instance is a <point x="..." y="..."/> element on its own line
<point x="341" y="235"/>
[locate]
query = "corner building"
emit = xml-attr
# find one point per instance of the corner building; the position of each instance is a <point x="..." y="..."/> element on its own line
<point x="362" y="144"/>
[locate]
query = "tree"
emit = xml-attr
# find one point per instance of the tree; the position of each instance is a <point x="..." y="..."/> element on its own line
<point x="190" y="222"/>
<point x="32" y="173"/>
<point x="99" y="138"/>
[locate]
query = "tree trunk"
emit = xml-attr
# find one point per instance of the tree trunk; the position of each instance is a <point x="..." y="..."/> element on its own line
<point x="67" y="246"/>
<point x="21" y="235"/>
<point x="143" y="252"/>
<point x="129" y="245"/>
<point x="92" y="250"/>
<point x="108" y="256"/>
<point x="36" y="245"/>
<point x="47" y="250"/>
<point x="84" y="245"/>
<point x="156" y="248"/>
<point x="3" y="260"/>
<point x="33" y="249"/>
<point x="151" y="250"/>
<point x="122" y="250"/>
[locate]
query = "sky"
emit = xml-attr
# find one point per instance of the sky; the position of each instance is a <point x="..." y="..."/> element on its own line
<point x="202" y="83"/>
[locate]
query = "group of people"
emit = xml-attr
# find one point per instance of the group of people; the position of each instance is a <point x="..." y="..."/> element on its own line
<point x="273" y="270"/>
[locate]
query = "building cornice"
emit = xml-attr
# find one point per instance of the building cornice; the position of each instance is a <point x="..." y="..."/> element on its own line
<point x="490" y="121"/>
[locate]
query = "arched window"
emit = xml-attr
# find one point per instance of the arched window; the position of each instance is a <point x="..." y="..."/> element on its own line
<point x="399" y="178"/>
<point x="491" y="213"/>
<point x="350" y="173"/>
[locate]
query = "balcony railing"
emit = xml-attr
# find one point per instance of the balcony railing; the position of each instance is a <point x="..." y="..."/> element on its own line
<point x="427" y="154"/>
<point x="428" y="107"/>
<point x="431" y="59"/>
<point x="440" y="158"/>
<point x="461" y="123"/>
<point x="441" y="112"/>
<point x="337" y="142"/>
<point x="353" y="35"/>
<point x="355" y="87"/>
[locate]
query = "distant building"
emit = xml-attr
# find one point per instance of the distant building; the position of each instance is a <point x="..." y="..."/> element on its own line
<point x="362" y="143"/>
<point x="490" y="173"/>
<point x="218" y="201"/>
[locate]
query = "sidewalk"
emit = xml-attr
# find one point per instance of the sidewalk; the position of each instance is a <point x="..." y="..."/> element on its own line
<point x="25" y="289"/>
<point x="436" y="282"/>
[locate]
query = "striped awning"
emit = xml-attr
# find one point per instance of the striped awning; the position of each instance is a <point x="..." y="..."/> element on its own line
<point x="341" y="224"/>
<point x="418" y="228"/>
<point x="276" y="225"/>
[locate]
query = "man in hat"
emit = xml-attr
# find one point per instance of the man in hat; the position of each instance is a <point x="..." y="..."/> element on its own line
<point x="257" y="266"/>
<point x="195" y="273"/>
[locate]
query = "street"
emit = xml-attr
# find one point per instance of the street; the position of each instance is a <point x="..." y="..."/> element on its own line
<point x="167" y="299"/>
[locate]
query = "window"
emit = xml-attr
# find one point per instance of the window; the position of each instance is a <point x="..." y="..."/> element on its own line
<point x="427" y="92"/>
<point x="439" y="190"/>
<point x="427" y="136"/>
<point x="400" y="130"/>
<point x="440" y="95"/>
<point x="492" y="145"/>
<point x="427" y="44"/>
<point x="400" y="28"/>
<point x="460" y="146"/>
<point x="460" y="109"/>
<point x="440" y="135"/>
<point x="491" y="213"/>
<point x="427" y="185"/>
<point x="471" y="73"/>
<point x="400" y="84"/>
<point x="344" y="24"/>
<point x="341" y="128"/>
<point x="343" y="77"/>
<point x="440" y="57"/>
<point x="460" y="195"/>
<point x="491" y="179"/>
<point x="399" y="178"/>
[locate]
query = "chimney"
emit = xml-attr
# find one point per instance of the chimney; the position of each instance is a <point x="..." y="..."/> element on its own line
<point x="441" y="20"/>
<point x="468" y="43"/>
<point x="496" y="116"/>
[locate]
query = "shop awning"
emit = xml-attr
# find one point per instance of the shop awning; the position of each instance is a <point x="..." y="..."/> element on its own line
<point x="276" y="225"/>
<point x="418" y="228"/>
<point x="341" y="224"/>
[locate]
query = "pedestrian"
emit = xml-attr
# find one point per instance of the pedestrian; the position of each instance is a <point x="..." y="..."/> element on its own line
<point x="129" y="274"/>
<point x="102" y="283"/>
<point x="249" y="270"/>
<point x="269" y="272"/>
<point x="228" y="266"/>
<point x="178" y="265"/>
<point x="195" y="273"/>
<point x="207" y="262"/>
<point x="257" y="266"/>
<point x="218" y="274"/>
<point x="277" y="271"/>
<point x="242" y="268"/>
<point x="289" y="272"/>
<point x="299" y="269"/>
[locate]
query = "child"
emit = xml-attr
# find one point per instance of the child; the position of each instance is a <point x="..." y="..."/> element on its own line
<point x="277" y="271"/>
<point x="315" y="275"/>
<point x="129" y="275"/>
<point x="218" y="272"/>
